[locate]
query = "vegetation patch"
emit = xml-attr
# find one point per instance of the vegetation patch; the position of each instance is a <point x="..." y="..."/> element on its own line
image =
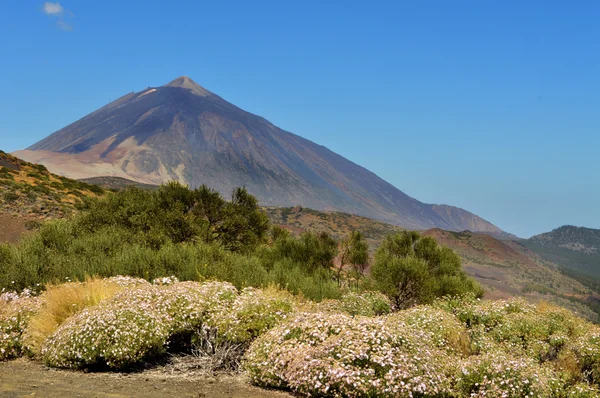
<point x="310" y="313"/>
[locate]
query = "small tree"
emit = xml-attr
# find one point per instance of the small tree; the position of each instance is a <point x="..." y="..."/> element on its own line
<point x="210" y="208"/>
<point x="244" y="225"/>
<point x="239" y="225"/>
<point x="354" y="250"/>
<point x="277" y="233"/>
<point x="312" y="251"/>
<point x="412" y="270"/>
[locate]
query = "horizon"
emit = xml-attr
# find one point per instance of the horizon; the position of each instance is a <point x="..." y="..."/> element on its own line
<point x="507" y="132"/>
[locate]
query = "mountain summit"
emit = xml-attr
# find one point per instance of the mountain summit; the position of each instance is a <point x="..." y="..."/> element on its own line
<point x="181" y="131"/>
<point x="187" y="83"/>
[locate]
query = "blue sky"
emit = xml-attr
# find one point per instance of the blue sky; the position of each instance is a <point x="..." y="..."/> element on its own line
<point x="493" y="106"/>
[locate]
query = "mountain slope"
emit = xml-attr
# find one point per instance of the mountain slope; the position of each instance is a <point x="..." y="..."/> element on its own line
<point x="505" y="268"/>
<point x="339" y="225"/>
<point x="30" y="194"/>
<point x="184" y="132"/>
<point x="575" y="248"/>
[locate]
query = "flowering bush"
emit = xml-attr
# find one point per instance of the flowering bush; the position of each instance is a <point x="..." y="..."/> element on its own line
<point x="456" y="347"/>
<point x="337" y="355"/>
<point x="499" y="374"/>
<point x="443" y="329"/>
<point x="540" y="336"/>
<point x="365" y="304"/>
<point x="482" y="318"/>
<point x="587" y="352"/>
<point x="15" y="312"/>
<point x="166" y="280"/>
<point x="106" y="335"/>
<point x="582" y="390"/>
<point x="253" y="312"/>
<point x="134" y="324"/>
<point x="488" y="313"/>
<point x="127" y="281"/>
<point x="59" y="302"/>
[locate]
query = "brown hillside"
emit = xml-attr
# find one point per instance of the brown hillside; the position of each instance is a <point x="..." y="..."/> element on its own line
<point x="338" y="225"/>
<point x="505" y="268"/>
<point x="29" y="193"/>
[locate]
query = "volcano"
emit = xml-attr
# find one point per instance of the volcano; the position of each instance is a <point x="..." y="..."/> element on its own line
<point x="182" y="131"/>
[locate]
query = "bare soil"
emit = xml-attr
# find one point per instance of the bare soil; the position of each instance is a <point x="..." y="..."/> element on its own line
<point x="24" y="377"/>
<point x="11" y="228"/>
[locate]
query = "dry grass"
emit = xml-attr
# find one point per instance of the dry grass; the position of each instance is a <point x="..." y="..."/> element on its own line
<point x="60" y="301"/>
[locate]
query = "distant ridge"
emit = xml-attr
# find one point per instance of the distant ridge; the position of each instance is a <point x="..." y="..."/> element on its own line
<point x="575" y="248"/>
<point x="181" y="131"/>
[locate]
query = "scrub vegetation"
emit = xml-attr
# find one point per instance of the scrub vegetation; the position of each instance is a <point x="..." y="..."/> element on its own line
<point x="137" y="275"/>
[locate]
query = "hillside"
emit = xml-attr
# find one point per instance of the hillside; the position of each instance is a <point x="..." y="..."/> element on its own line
<point x="577" y="249"/>
<point x="181" y="131"/>
<point x="29" y="193"/>
<point x="338" y="225"/>
<point x="116" y="183"/>
<point x="504" y="267"/>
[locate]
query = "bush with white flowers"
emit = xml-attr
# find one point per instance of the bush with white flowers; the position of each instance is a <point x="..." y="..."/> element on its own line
<point x="365" y="303"/>
<point x="443" y="329"/>
<point x="353" y="347"/>
<point x="320" y="354"/>
<point x="252" y="313"/>
<point x="499" y="374"/>
<point x="134" y="324"/>
<point x="15" y="311"/>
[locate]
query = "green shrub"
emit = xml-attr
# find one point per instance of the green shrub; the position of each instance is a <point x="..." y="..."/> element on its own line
<point x="253" y="312"/>
<point x="39" y="176"/>
<point x="41" y="168"/>
<point x="10" y="197"/>
<point x="60" y="250"/>
<point x="6" y="173"/>
<point x="365" y="304"/>
<point x="413" y="270"/>
<point x="176" y="214"/>
<point x="316" y="285"/>
<point x="311" y="251"/>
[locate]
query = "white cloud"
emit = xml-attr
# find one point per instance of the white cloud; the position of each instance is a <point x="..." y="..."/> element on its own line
<point x="56" y="10"/>
<point x="53" y="8"/>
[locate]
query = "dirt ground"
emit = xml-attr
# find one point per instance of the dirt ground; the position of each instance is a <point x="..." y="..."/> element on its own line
<point x="25" y="378"/>
<point x="11" y="228"/>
